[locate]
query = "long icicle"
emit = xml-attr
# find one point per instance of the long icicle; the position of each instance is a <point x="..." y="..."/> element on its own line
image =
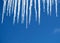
<point x="47" y="7"/>
<point x="8" y="7"/>
<point x="50" y="6"/>
<point x="18" y="13"/>
<point x="13" y="5"/>
<point x="43" y="5"/>
<point x="56" y="7"/>
<point x="39" y="11"/>
<point x="4" y="8"/>
<point x="14" y="18"/>
<point x="35" y="9"/>
<point x="30" y="7"/>
<point x="26" y="13"/>
<point x="23" y="10"/>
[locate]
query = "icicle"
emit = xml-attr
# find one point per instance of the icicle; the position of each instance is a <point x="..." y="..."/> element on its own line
<point x="47" y="6"/>
<point x="30" y="7"/>
<point x="26" y="13"/>
<point x="35" y="9"/>
<point x="23" y="10"/>
<point x="13" y="5"/>
<point x="19" y="1"/>
<point x="39" y="11"/>
<point x="50" y="6"/>
<point x="10" y="6"/>
<point x="56" y="7"/>
<point x="14" y="18"/>
<point x="43" y="5"/>
<point x="4" y="8"/>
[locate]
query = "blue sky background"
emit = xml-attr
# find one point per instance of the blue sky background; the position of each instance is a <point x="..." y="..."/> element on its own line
<point x="47" y="32"/>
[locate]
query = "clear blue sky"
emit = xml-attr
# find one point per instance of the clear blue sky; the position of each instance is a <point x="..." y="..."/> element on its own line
<point x="47" y="32"/>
